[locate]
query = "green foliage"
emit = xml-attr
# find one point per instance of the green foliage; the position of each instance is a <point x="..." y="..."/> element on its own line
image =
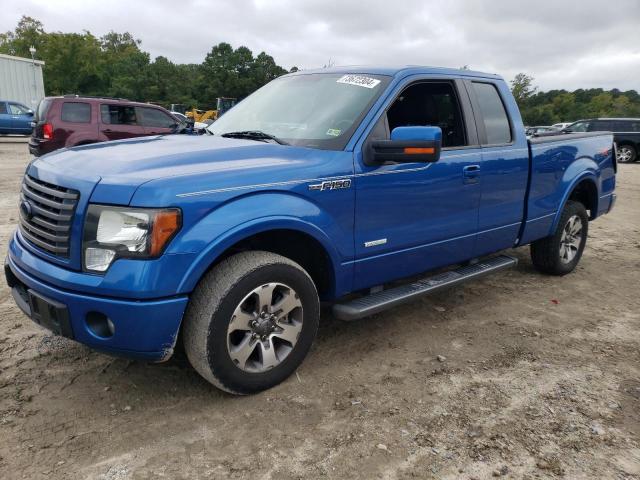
<point x="522" y="87"/>
<point x="114" y="65"/>
<point x="554" y="106"/>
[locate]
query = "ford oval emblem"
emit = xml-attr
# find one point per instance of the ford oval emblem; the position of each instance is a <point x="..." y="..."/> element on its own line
<point x="25" y="208"/>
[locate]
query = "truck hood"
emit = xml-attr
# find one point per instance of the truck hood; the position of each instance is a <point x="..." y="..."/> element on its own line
<point x="118" y="169"/>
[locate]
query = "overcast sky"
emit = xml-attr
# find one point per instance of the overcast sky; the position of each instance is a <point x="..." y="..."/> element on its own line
<point x="562" y="43"/>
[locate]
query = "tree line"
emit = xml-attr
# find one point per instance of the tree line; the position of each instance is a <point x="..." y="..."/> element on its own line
<point x="554" y="106"/>
<point x="115" y="65"/>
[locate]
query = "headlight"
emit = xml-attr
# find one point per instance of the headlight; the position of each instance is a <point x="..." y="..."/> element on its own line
<point x="121" y="232"/>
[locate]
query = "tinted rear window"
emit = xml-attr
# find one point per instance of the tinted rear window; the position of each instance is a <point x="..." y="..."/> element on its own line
<point x="76" y="112"/>
<point x="626" y="126"/>
<point x="494" y="116"/>
<point x="118" y="115"/>
<point x="600" y="126"/>
<point x="3" y="108"/>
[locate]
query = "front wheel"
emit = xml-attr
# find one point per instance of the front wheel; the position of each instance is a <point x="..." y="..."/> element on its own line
<point x="626" y="154"/>
<point x="251" y="321"/>
<point x="560" y="253"/>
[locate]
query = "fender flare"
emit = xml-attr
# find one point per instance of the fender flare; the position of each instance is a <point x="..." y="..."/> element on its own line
<point x="585" y="175"/>
<point x="220" y="244"/>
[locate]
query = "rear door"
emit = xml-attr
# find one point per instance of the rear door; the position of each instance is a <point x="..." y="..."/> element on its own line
<point x="505" y="166"/>
<point x="156" y="121"/>
<point x="600" y="126"/>
<point x="120" y="121"/>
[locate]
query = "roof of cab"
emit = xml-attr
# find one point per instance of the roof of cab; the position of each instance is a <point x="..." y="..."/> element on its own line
<point x="400" y="71"/>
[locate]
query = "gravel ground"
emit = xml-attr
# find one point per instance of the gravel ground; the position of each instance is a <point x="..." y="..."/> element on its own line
<point x="518" y="375"/>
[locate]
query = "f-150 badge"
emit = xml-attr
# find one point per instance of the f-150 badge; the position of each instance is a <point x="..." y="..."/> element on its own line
<point x="331" y="185"/>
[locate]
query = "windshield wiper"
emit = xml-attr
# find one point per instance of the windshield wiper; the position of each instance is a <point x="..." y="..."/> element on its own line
<point x="254" y="135"/>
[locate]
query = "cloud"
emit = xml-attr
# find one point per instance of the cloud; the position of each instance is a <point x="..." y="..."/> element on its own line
<point x="569" y="44"/>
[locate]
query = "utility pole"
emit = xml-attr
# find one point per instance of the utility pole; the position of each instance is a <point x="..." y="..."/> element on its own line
<point x="32" y="50"/>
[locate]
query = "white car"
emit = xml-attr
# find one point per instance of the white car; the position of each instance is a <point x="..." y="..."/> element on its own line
<point x="198" y="126"/>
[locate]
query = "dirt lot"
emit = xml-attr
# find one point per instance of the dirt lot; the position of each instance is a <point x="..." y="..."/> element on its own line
<point x="541" y="379"/>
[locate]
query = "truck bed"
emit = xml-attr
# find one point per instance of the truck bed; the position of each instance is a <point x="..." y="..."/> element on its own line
<point x="558" y="162"/>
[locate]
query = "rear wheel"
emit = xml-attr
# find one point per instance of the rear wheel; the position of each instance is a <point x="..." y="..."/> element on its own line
<point x="251" y="321"/>
<point x="626" y="154"/>
<point x="560" y="253"/>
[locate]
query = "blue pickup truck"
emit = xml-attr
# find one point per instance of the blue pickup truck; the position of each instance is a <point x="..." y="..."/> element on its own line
<point x="329" y="185"/>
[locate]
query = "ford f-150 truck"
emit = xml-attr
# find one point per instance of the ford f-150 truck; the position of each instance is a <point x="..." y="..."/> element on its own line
<point x="323" y="185"/>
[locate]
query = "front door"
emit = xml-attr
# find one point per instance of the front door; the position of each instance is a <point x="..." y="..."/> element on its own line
<point x="413" y="217"/>
<point x="21" y="118"/>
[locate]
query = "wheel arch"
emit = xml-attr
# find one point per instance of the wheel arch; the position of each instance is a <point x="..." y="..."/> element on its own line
<point x="300" y="241"/>
<point x="583" y="189"/>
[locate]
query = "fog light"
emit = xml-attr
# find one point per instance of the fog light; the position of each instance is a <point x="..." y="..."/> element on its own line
<point x="100" y="324"/>
<point x="98" y="259"/>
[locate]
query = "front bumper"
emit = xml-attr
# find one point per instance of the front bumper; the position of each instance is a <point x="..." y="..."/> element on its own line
<point x="145" y="329"/>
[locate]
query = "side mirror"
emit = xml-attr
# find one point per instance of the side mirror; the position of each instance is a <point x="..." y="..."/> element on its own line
<point x="30" y="113"/>
<point x="408" y="145"/>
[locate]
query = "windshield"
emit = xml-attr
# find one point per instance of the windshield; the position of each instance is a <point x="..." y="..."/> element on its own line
<point x="313" y="110"/>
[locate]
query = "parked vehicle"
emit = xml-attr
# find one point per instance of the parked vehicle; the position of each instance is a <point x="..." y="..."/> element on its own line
<point x="530" y="131"/>
<point x="15" y="118"/>
<point x="321" y="184"/>
<point x="223" y="105"/>
<point x="71" y="120"/>
<point x="180" y="116"/>
<point x="626" y="134"/>
<point x="561" y="125"/>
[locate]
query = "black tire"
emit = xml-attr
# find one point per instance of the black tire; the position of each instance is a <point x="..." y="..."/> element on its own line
<point x="546" y="253"/>
<point x="626" y="154"/>
<point x="212" y="306"/>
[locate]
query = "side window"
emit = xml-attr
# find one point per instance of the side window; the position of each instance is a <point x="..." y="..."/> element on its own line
<point x="3" y="108"/>
<point x="76" y="112"/>
<point x="600" y="126"/>
<point x="633" y="127"/>
<point x="494" y="115"/>
<point x="118" y="115"/>
<point x="430" y="104"/>
<point x="152" y="117"/>
<point x="620" y="127"/>
<point x="579" y="127"/>
<point x="17" y="109"/>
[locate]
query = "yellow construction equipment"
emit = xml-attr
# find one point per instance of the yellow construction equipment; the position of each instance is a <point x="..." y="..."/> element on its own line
<point x="222" y="105"/>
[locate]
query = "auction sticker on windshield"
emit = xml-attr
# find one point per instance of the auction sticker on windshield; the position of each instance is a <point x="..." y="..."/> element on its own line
<point x="359" y="80"/>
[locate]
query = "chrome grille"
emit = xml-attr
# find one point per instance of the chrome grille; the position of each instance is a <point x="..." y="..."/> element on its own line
<point x="46" y="213"/>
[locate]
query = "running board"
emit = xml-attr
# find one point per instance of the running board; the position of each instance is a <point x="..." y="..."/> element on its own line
<point x="379" y="301"/>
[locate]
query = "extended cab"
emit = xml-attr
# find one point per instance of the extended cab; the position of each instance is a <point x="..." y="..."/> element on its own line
<point x="319" y="185"/>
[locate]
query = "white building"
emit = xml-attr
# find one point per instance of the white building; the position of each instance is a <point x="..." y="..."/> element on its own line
<point x="21" y="80"/>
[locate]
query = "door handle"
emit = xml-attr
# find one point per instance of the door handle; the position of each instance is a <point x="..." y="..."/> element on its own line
<point x="471" y="173"/>
<point x="107" y="130"/>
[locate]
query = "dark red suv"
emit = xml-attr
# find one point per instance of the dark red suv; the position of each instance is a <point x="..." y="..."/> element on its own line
<point x="72" y="120"/>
